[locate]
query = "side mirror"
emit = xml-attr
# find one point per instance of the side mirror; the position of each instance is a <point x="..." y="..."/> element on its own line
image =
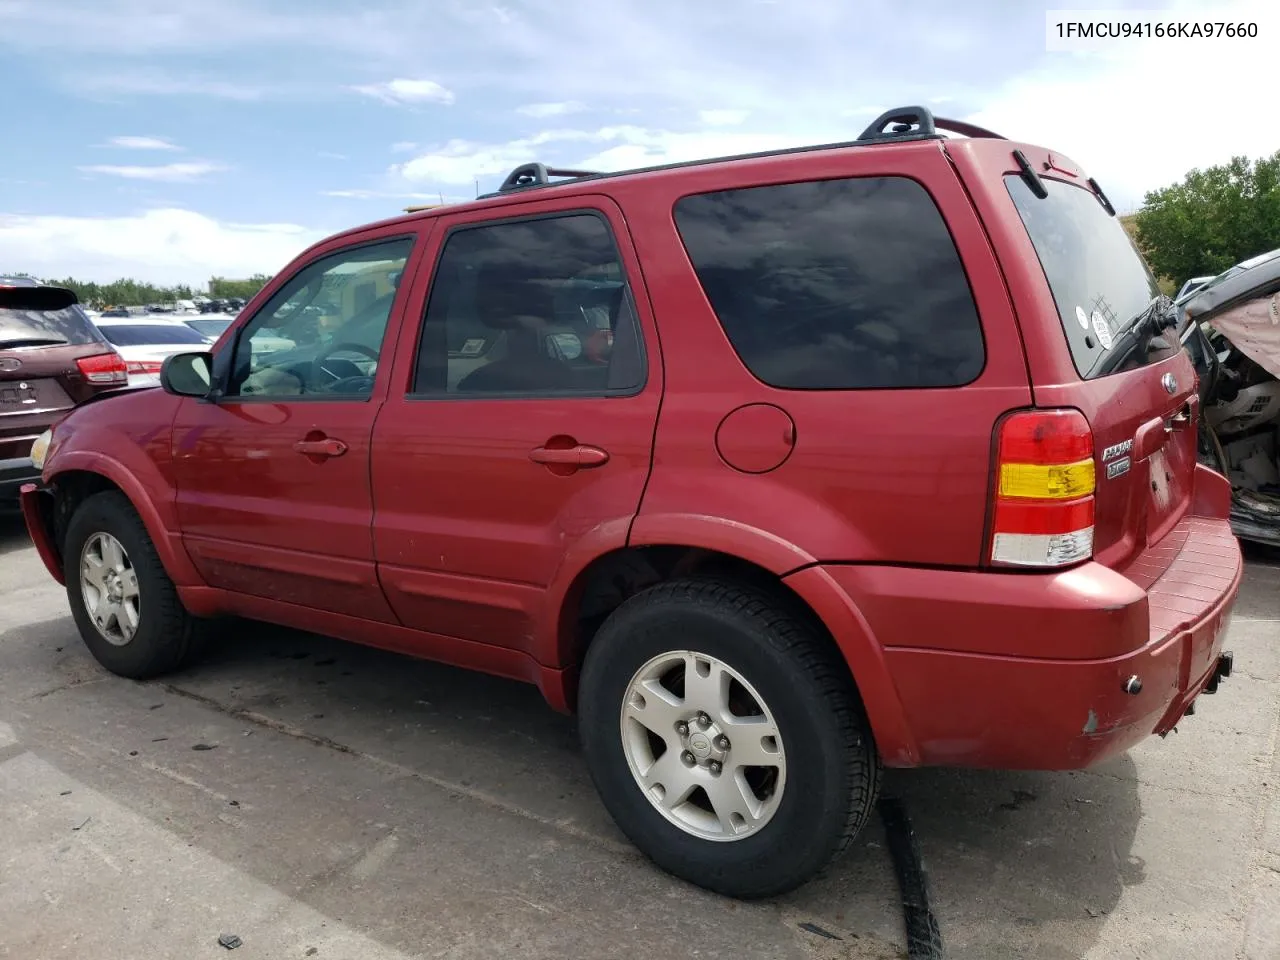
<point x="187" y="374"/>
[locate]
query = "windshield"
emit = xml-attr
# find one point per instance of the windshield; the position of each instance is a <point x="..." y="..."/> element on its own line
<point x="69" y="325"/>
<point x="1099" y="281"/>
<point x="129" y="335"/>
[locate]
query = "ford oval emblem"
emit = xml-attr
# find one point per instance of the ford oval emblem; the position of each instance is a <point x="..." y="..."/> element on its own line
<point x="1170" y="383"/>
<point x="9" y="363"/>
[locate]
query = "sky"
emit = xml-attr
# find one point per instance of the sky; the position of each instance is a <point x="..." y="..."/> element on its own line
<point x="174" y="140"/>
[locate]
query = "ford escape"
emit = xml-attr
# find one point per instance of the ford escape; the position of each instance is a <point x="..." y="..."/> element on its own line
<point x="775" y="469"/>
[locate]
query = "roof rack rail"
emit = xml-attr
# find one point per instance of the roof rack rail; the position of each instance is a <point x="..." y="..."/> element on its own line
<point x="917" y="123"/>
<point x="538" y="175"/>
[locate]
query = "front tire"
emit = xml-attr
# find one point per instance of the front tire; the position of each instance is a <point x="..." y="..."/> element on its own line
<point x="726" y="737"/>
<point x="123" y="602"/>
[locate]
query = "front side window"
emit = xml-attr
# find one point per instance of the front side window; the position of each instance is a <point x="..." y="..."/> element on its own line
<point x="836" y="284"/>
<point x="530" y="308"/>
<point x="321" y="335"/>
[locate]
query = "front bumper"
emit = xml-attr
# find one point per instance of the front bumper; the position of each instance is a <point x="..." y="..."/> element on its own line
<point x="13" y="474"/>
<point x="1052" y="672"/>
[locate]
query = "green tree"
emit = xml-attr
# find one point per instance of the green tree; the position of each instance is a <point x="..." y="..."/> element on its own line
<point x="244" y="289"/>
<point x="1213" y="219"/>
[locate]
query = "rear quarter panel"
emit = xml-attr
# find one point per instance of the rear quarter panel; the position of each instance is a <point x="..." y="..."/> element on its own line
<point x="891" y="476"/>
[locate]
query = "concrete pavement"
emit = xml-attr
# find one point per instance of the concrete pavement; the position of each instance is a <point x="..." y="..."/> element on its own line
<point x="355" y="804"/>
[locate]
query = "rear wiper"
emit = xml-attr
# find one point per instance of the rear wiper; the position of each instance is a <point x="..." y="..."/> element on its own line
<point x="1156" y="317"/>
<point x="32" y="342"/>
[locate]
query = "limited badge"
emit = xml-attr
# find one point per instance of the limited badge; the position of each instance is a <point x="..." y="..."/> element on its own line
<point x="1101" y="330"/>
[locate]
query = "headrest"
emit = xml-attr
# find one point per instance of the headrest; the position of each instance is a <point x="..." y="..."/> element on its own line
<point x="502" y="302"/>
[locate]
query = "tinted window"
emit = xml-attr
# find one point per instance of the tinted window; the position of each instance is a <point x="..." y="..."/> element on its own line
<point x="20" y="326"/>
<point x="146" y="334"/>
<point x="530" y="307"/>
<point x="321" y="334"/>
<point x="837" y="284"/>
<point x="1098" y="279"/>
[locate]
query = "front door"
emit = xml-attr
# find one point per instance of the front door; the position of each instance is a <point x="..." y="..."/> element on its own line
<point x="272" y="479"/>
<point x="523" y="426"/>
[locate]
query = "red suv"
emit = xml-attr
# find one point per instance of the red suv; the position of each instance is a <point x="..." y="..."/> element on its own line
<point x="774" y="469"/>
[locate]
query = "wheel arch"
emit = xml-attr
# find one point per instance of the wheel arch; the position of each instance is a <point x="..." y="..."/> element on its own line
<point x="781" y="570"/>
<point x="81" y="474"/>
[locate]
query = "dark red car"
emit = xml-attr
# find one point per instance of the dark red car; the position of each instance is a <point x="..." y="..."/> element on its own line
<point x="51" y="358"/>
<point x="886" y="455"/>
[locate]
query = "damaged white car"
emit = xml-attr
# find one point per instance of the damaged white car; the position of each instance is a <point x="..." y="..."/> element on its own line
<point x="1235" y="340"/>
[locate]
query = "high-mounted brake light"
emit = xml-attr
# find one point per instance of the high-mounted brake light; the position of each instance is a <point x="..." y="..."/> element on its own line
<point x="1045" y="483"/>
<point x="105" y="368"/>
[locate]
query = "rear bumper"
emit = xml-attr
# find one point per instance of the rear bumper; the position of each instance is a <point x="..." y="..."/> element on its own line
<point x="1061" y="671"/>
<point x="13" y="474"/>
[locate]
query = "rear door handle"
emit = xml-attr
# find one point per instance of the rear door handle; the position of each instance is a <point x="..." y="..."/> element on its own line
<point x="327" y="447"/>
<point x="580" y="456"/>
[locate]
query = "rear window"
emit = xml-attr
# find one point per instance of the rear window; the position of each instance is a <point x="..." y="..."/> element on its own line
<point x="836" y="284"/>
<point x="1099" y="281"/>
<point x="43" y="316"/>
<point x="140" y="335"/>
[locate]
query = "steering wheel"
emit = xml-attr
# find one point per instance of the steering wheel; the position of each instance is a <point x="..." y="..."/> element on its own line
<point x="318" y="364"/>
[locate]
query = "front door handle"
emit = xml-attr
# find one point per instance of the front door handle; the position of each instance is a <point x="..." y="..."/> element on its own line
<point x="323" y="447"/>
<point x="579" y="456"/>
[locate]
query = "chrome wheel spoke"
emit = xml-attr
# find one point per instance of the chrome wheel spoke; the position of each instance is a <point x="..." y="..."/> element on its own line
<point x="755" y="742"/>
<point x="655" y="708"/>
<point x="733" y="803"/>
<point x="129" y="584"/>
<point x="706" y="685"/>
<point x="668" y="780"/>
<point x="112" y="553"/>
<point x="93" y="571"/>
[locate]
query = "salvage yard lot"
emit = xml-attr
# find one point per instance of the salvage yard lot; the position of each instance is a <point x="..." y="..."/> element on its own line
<point x="355" y="804"/>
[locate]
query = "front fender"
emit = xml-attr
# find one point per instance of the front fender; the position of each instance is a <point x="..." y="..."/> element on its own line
<point x="151" y="496"/>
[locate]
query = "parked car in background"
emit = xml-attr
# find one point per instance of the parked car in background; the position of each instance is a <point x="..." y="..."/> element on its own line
<point x="1190" y="287"/>
<point x="1237" y="314"/>
<point x="144" y="344"/>
<point x="111" y="312"/>
<point x="776" y="469"/>
<point x="214" y="327"/>
<point x="51" y="358"/>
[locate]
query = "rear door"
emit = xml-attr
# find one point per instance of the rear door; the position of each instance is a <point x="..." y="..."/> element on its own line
<point x="520" y="426"/>
<point x="1141" y="403"/>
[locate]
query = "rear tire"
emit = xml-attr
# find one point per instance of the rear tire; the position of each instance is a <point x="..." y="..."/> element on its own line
<point x="123" y="602"/>
<point x="703" y="812"/>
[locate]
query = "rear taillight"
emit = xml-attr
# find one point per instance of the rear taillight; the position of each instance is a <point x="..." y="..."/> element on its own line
<point x="105" y="368"/>
<point x="144" y="366"/>
<point x="1044" y="487"/>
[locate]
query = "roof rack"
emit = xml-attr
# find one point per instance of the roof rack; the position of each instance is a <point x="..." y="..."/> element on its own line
<point x="529" y="175"/>
<point x="917" y="123"/>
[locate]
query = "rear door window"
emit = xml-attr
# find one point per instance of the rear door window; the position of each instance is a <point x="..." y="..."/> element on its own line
<point x="1099" y="281"/>
<point x="836" y="284"/>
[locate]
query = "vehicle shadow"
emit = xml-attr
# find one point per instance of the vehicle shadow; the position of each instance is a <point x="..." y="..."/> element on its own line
<point x="1019" y="864"/>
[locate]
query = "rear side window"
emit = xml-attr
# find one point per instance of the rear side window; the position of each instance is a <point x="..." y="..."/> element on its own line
<point x="836" y="284"/>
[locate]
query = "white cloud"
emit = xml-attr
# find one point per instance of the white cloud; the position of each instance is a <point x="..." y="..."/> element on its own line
<point x="544" y="110"/>
<point x="402" y="91"/>
<point x="168" y="173"/>
<point x="161" y="246"/>
<point x="607" y="148"/>
<point x="143" y="143"/>
<point x="1131" y="119"/>
<point x="723" y="118"/>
